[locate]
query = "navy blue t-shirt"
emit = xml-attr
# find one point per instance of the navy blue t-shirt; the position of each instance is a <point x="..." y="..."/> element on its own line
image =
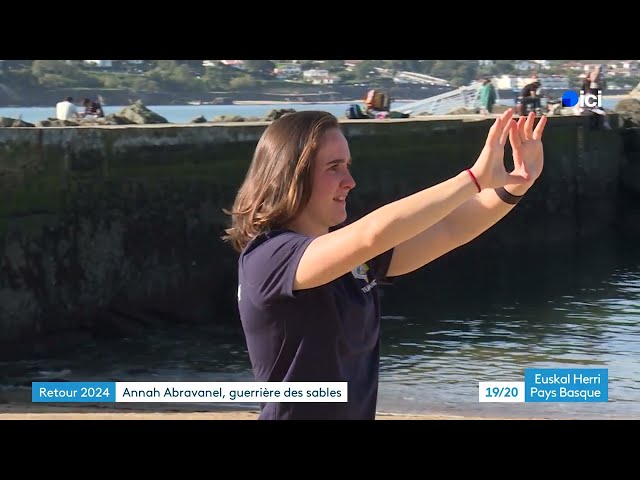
<point x="328" y="333"/>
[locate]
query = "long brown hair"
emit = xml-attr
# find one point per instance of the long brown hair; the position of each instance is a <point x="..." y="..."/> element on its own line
<point x="278" y="183"/>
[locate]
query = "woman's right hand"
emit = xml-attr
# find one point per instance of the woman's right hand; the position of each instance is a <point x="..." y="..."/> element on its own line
<point x="489" y="168"/>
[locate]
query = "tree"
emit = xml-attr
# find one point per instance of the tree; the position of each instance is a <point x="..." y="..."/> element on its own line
<point x="364" y="69"/>
<point x="246" y="81"/>
<point x="334" y="66"/>
<point x="504" y="66"/>
<point x="39" y="68"/>
<point x="261" y="66"/>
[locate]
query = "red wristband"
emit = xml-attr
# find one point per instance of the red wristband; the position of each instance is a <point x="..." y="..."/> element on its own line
<point x="475" y="180"/>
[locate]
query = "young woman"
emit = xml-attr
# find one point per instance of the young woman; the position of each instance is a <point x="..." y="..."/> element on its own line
<point x="308" y="292"/>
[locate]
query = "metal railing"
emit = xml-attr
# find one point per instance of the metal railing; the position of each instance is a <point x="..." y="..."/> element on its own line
<point x="444" y="103"/>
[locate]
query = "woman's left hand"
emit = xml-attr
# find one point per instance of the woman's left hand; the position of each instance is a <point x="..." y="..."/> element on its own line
<point x="528" y="154"/>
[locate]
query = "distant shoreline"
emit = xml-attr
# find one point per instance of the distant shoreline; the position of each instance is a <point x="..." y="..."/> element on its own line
<point x="291" y="102"/>
<point x="283" y="102"/>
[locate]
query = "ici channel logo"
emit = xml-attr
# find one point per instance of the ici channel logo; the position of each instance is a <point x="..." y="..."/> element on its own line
<point x="588" y="100"/>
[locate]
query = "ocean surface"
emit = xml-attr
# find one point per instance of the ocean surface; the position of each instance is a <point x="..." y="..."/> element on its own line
<point x="186" y="113"/>
<point x="444" y="330"/>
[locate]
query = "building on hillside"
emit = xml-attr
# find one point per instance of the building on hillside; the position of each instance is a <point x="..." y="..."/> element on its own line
<point x="100" y="63"/>
<point x="320" y="76"/>
<point x="239" y="64"/>
<point x="287" y="70"/>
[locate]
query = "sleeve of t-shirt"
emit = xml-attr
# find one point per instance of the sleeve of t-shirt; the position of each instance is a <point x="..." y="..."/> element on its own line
<point x="380" y="266"/>
<point x="270" y="268"/>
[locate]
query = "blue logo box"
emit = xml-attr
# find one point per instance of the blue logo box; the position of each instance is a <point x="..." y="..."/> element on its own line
<point x="566" y="385"/>
<point x="77" y="392"/>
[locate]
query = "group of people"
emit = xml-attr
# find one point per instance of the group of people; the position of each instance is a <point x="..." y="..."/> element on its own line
<point x="67" y="110"/>
<point x="529" y="98"/>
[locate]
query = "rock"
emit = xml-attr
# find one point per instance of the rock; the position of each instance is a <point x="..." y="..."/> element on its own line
<point x="21" y="123"/>
<point x="277" y="113"/>
<point x="54" y="122"/>
<point x="14" y="122"/>
<point x="7" y="121"/>
<point x="138" y="113"/>
<point x="629" y="111"/>
<point x="227" y="118"/>
<point x="115" y="119"/>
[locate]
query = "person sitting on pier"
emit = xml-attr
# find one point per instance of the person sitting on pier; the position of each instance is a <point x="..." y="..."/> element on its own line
<point x="92" y="109"/>
<point x="66" y="109"/>
<point x="529" y="95"/>
<point x="377" y="104"/>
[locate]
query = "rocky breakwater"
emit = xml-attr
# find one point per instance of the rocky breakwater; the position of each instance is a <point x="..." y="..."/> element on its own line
<point x="112" y="231"/>
<point x="134" y="114"/>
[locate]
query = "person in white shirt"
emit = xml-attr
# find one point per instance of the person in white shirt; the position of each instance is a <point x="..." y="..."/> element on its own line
<point x="66" y="109"/>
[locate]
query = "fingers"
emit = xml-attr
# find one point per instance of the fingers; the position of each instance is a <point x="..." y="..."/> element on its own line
<point x="537" y="133"/>
<point x="514" y="139"/>
<point x="506" y="125"/>
<point x="521" y="125"/>
<point x="525" y="127"/>
<point x="508" y="113"/>
<point x="507" y="131"/>
<point x="528" y="126"/>
<point x="500" y="128"/>
<point x="514" y="136"/>
<point x="494" y="132"/>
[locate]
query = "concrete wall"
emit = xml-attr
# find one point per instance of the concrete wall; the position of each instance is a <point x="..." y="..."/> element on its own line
<point x="115" y="228"/>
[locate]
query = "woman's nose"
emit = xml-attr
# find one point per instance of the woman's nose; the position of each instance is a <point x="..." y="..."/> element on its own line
<point x="348" y="181"/>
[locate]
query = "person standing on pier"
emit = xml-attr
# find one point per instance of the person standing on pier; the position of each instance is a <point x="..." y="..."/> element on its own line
<point x="487" y="96"/>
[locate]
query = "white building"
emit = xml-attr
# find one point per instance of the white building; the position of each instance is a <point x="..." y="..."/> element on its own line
<point x="287" y="69"/>
<point x="543" y="64"/>
<point x="100" y="63"/>
<point x="320" y="76"/>
<point x="512" y="82"/>
<point x="239" y="64"/>
<point x="554" y="82"/>
<point x="505" y="82"/>
<point x="526" y="65"/>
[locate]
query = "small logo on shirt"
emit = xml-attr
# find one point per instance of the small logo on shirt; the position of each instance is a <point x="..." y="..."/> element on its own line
<point x="361" y="274"/>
